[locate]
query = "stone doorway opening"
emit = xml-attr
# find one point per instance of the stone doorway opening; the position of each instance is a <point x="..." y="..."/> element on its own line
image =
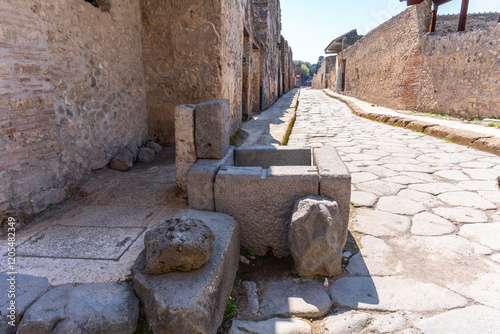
<point x="246" y="77"/>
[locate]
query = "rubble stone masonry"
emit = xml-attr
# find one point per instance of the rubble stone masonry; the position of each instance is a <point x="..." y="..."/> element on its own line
<point x="71" y="95"/>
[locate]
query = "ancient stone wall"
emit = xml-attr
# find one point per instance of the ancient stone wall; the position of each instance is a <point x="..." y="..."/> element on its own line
<point x="322" y="77"/>
<point x="383" y="67"/>
<point x="72" y="94"/>
<point x="182" y="58"/>
<point x="461" y="73"/>
<point x="449" y="23"/>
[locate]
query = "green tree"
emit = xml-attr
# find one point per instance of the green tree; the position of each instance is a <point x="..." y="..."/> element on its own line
<point x="304" y="72"/>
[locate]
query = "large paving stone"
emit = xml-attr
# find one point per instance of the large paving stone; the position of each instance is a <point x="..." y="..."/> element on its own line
<point x="316" y="237"/>
<point x="200" y="181"/>
<point x="485" y="234"/>
<point x="193" y="301"/>
<point x="426" y="223"/>
<point x="434" y="188"/>
<point x="266" y="156"/>
<point x="262" y="201"/>
<point x="478" y="185"/>
<point x="185" y="146"/>
<point x="212" y="129"/>
<point x="334" y="179"/>
<point x="380" y="188"/>
<point x="462" y="215"/>
<point x="467" y="199"/>
<point x="473" y="319"/>
<point x="379" y="223"/>
<point x="294" y="298"/>
<point x="361" y="198"/>
<point x="481" y="174"/>
<point x="420" y="197"/>
<point x="106" y="308"/>
<point x="392" y="294"/>
<point x="357" y="322"/>
<point x="375" y="258"/>
<point x="455" y="175"/>
<point x="274" y="326"/>
<point x="27" y="290"/>
<point x="399" y="205"/>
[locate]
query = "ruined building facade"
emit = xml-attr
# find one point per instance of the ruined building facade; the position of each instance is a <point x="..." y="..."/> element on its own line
<point x="401" y="65"/>
<point x="81" y="79"/>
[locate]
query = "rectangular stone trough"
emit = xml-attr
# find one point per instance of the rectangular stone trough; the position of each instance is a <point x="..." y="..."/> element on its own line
<point x="259" y="186"/>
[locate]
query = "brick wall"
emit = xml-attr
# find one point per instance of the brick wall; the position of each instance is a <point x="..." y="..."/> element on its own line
<point x="71" y="94"/>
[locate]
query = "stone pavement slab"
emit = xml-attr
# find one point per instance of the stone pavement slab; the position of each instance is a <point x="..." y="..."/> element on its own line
<point x="275" y="326"/>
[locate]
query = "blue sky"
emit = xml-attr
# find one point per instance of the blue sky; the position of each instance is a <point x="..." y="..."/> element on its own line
<point x="309" y="25"/>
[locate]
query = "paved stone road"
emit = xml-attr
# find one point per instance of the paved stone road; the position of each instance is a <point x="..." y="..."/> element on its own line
<point x="426" y="219"/>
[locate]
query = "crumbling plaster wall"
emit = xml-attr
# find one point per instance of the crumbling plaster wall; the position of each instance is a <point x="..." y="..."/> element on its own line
<point x="72" y="94"/>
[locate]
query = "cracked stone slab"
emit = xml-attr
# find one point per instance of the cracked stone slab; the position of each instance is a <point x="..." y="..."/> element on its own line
<point x="420" y="197"/>
<point x="294" y="298"/>
<point x="379" y="223"/>
<point x="427" y="224"/>
<point x="477" y="319"/>
<point x="406" y="180"/>
<point x="399" y="205"/>
<point x="105" y="308"/>
<point x="380" y="188"/>
<point x="481" y="174"/>
<point x="478" y="185"/>
<point x="455" y="175"/>
<point x="462" y="215"/>
<point x="362" y="177"/>
<point x="434" y="188"/>
<point x="76" y="242"/>
<point x="357" y="322"/>
<point x="466" y="198"/>
<point x="484" y="234"/>
<point x="392" y="294"/>
<point x="275" y="326"/>
<point x="375" y="258"/>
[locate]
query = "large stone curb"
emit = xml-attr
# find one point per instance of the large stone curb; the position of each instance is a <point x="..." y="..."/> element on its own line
<point x="192" y="301"/>
<point x="472" y="139"/>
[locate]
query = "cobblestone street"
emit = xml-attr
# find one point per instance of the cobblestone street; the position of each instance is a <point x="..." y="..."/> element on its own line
<point x="426" y="220"/>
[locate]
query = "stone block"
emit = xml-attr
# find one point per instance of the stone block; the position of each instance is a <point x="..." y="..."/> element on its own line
<point x="28" y="290"/>
<point x="334" y="179"/>
<point x="262" y="202"/>
<point x="212" y="129"/>
<point x="192" y="301"/>
<point x="266" y="156"/>
<point x="438" y="131"/>
<point x="185" y="146"/>
<point x="274" y="325"/>
<point x="316" y="237"/>
<point x="123" y="160"/>
<point x="200" y="181"/>
<point x="490" y="145"/>
<point x="106" y="308"/>
<point x="155" y="147"/>
<point x="419" y="126"/>
<point x="146" y="154"/>
<point x="134" y="150"/>
<point x="182" y="244"/>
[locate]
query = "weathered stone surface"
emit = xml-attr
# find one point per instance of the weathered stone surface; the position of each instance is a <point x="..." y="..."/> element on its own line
<point x="361" y="198"/>
<point x="477" y="319"/>
<point x="484" y="234"/>
<point x="27" y="290"/>
<point x="316" y="237"/>
<point x="212" y="129"/>
<point x="420" y="197"/>
<point x="275" y="326"/>
<point x="462" y="215"/>
<point x="123" y="160"/>
<point x="106" y="308"/>
<point x="155" y="147"/>
<point x="193" y="301"/>
<point x="178" y="245"/>
<point x="335" y="179"/>
<point x="134" y="150"/>
<point x="345" y="322"/>
<point x="380" y="188"/>
<point x="185" y="147"/>
<point x="379" y="223"/>
<point x="294" y="298"/>
<point x="434" y="188"/>
<point x="467" y="199"/>
<point x="426" y="223"/>
<point x="266" y="156"/>
<point x="392" y="294"/>
<point x="200" y="181"/>
<point x="399" y="205"/>
<point x="146" y="155"/>
<point x="262" y="202"/>
<point x="375" y="258"/>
